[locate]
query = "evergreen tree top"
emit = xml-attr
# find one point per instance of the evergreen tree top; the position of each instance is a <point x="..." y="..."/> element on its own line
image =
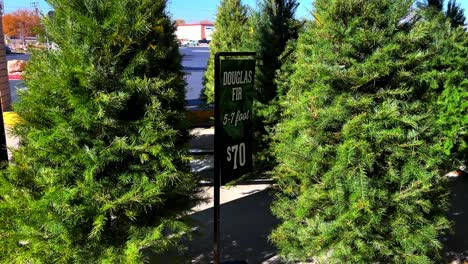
<point x="230" y="18"/>
<point x="229" y="36"/>
<point x="106" y="31"/>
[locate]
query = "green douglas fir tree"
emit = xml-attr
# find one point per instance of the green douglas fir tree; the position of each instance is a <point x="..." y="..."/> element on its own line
<point x="359" y="149"/>
<point x="279" y="27"/>
<point x="101" y="172"/>
<point x="449" y="75"/>
<point x="231" y="30"/>
<point x="276" y="28"/>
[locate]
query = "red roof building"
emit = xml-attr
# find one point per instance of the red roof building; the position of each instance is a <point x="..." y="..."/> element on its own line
<point x="195" y="31"/>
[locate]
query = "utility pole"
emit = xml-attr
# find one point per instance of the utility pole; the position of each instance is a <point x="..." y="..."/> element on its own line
<point x="35" y="6"/>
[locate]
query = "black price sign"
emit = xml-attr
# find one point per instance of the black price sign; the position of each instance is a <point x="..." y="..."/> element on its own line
<point x="234" y="117"/>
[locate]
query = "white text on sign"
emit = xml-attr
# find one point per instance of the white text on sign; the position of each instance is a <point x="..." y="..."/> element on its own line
<point x="237" y="94"/>
<point x="237" y="77"/>
<point x="236" y="154"/>
<point x="235" y="118"/>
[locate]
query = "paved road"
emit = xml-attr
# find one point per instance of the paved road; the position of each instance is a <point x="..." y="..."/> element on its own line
<point x="194" y="62"/>
<point x="18" y="56"/>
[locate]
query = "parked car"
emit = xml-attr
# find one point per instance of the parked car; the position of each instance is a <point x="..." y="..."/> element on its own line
<point x="8" y="50"/>
<point x="183" y="42"/>
<point x="203" y="41"/>
<point x="188" y="43"/>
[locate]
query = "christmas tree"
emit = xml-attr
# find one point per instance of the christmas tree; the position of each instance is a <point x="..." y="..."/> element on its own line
<point x="359" y="149"/>
<point x="450" y="78"/>
<point x="231" y="30"/>
<point x="276" y="28"/>
<point x="101" y="173"/>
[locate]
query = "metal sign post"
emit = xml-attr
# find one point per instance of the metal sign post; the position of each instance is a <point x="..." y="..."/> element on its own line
<point x="234" y="91"/>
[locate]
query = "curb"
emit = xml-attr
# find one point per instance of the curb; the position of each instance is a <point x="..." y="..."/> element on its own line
<point x="200" y="118"/>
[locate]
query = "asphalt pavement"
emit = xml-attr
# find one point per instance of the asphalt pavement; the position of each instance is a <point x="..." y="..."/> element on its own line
<point x="194" y="62"/>
<point x="18" y="56"/>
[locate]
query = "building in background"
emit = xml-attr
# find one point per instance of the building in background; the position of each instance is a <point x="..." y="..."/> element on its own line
<point x="195" y="31"/>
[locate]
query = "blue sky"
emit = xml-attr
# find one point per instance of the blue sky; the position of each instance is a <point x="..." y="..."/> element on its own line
<point x="189" y="10"/>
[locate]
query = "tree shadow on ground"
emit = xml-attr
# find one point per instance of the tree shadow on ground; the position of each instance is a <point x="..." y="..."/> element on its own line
<point x="245" y="226"/>
<point x="456" y="244"/>
<point x="202" y="142"/>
